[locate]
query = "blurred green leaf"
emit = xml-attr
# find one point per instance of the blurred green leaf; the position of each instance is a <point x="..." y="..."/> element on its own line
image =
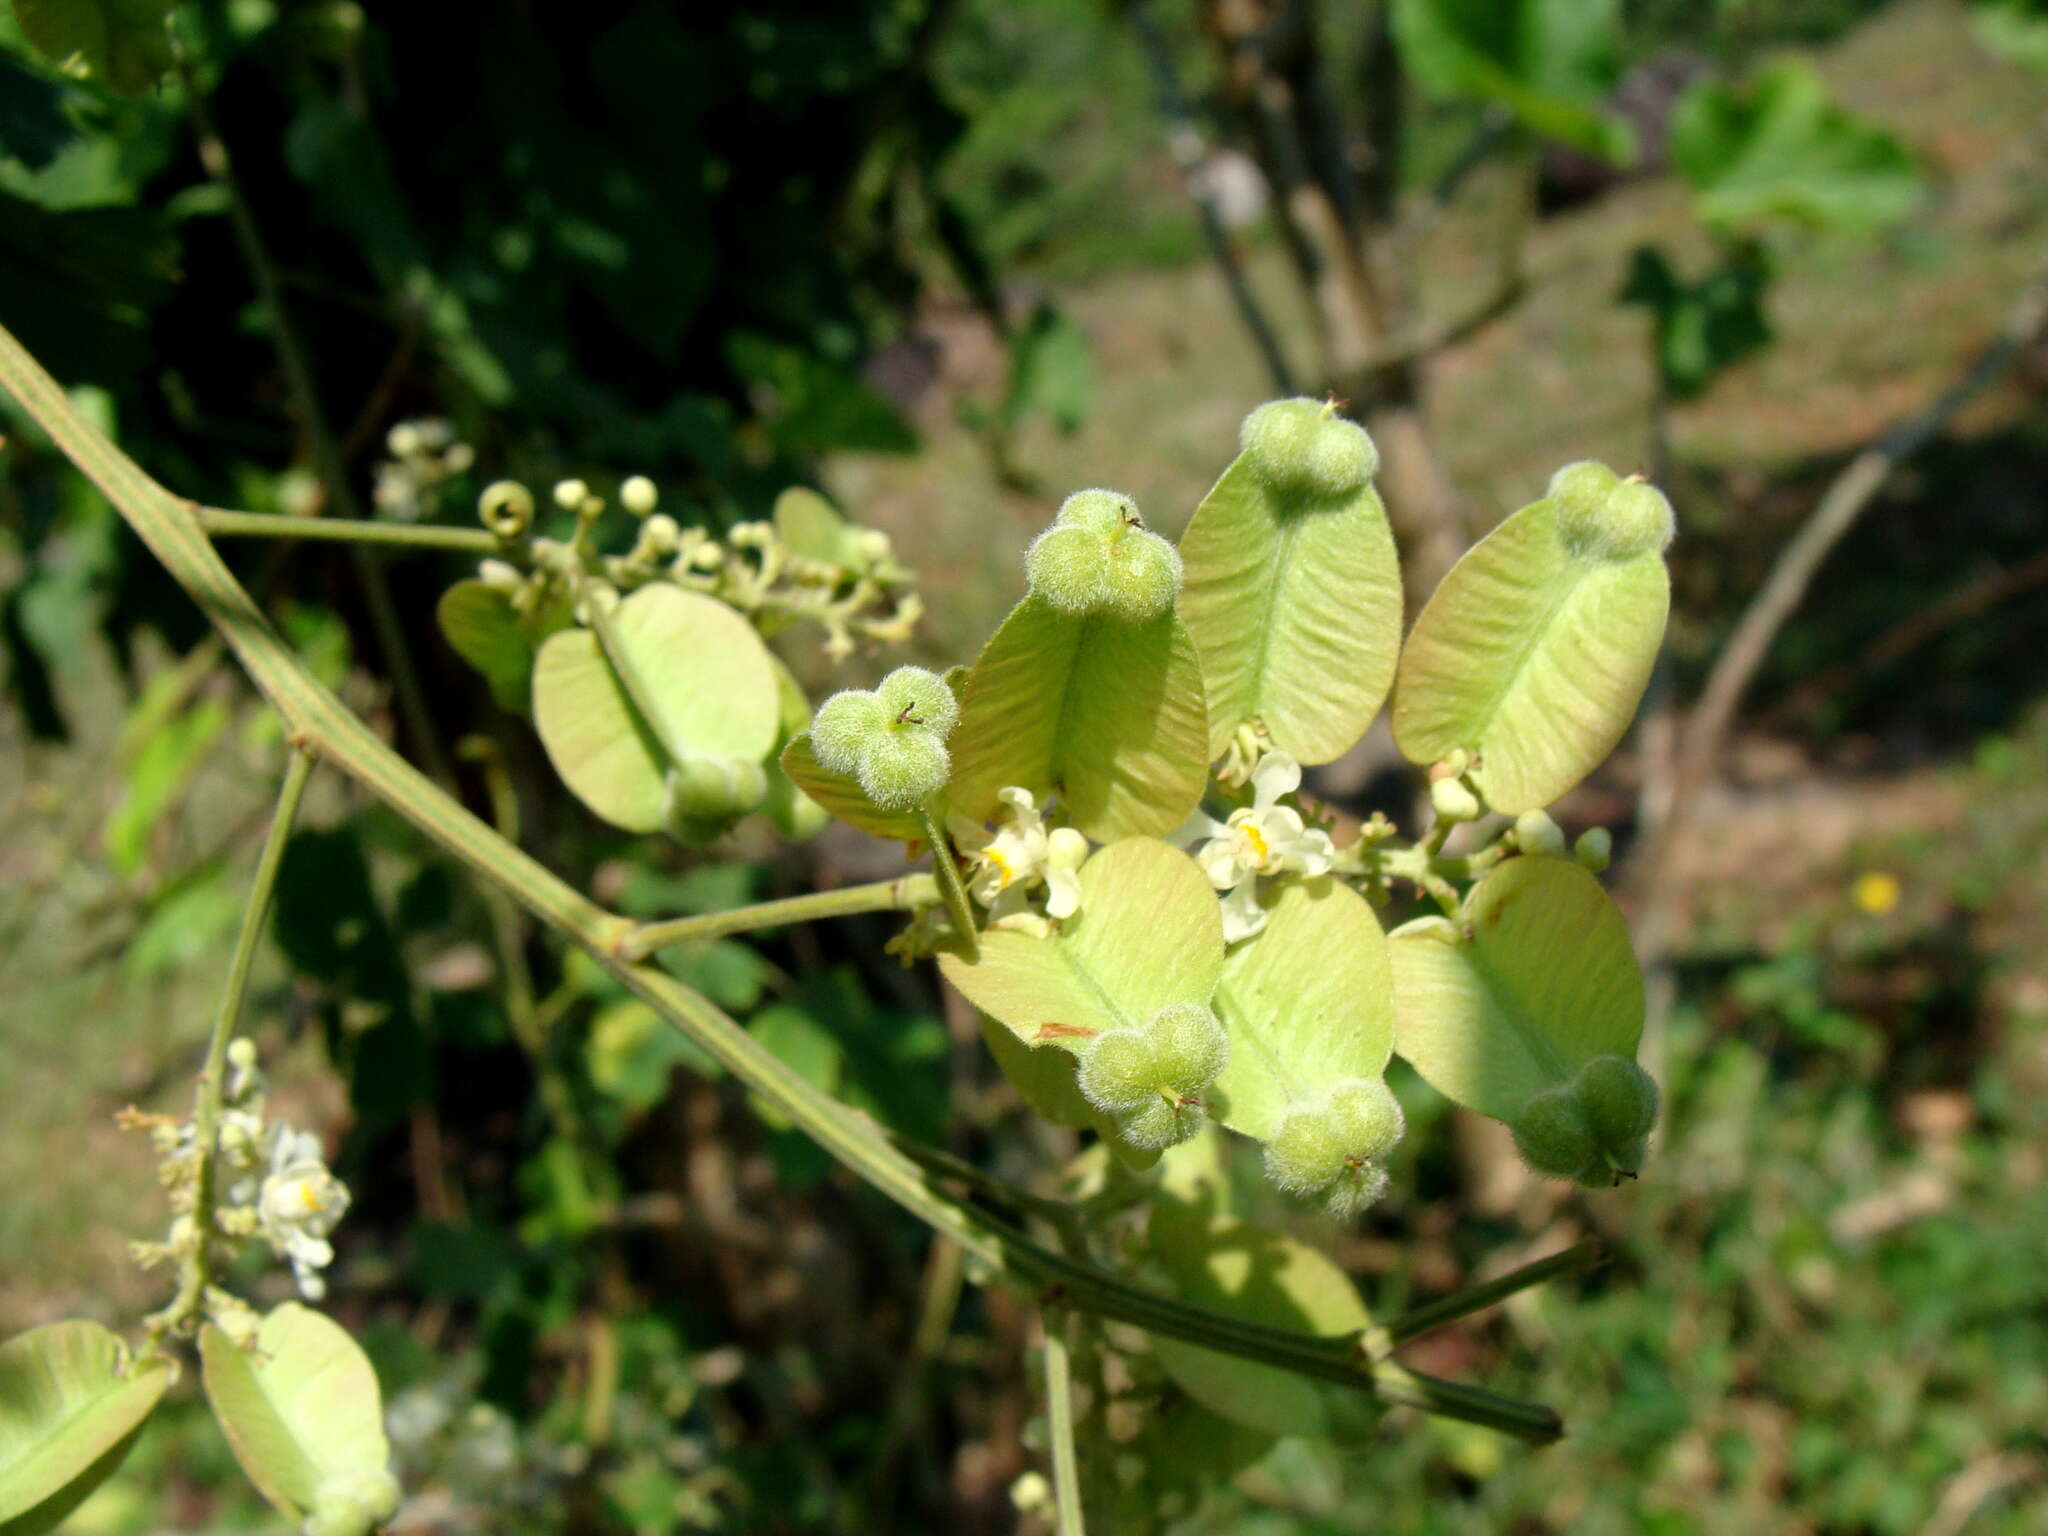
<point x="163" y="766"/>
<point x="801" y="1044"/>
<point x="301" y="1407"/>
<point x="2013" y="29"/>
<point x="1549" y="62"/>
<point x="125" y="43"/>
<point x="1705" y="326"/>
<point x="71" y="1405"/>
<point x="1781" y="149"/>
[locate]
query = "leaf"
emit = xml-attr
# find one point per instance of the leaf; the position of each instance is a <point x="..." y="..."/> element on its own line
<point x="1550" y="62"/>
<point x="126" y="43"/>
<point x="482" y="627"/>
<point x="1705" y="326"/>
<point x="1108" y="713"/>
<point x="1308" y="1001"/>
<point x="71" y="1404"/>
<point x="300" y="1407"/>
<point x="803" y="1045"/>
<point x="710" y="680"/>
<point x="812" y="528"/>
<point x="163" y="767"/>
<point x="1262" y="1276"/>
<point x="843" y="797"/>
<point x="1052" y="373"/>
<point x="2013" y="29"/>
<point x="1296" y="612"/>
<point x="1783" y="150"/>
<point x="1149" y="933"/>
<point x="631" y="1052"/>
<point x="1531" y="656"/>
<point x="1546" y="982"/>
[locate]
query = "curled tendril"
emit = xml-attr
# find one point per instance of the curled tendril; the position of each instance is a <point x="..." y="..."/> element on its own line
<point x="506" y="508"/>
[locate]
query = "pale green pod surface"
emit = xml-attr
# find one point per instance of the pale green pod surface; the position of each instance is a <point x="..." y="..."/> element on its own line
<point x="1260" y="1276"/>
<point x="1620" y="1101"/>
<point x="913" y="697"/>
<point x="1360" y="1185"/>
<point x="1108" y="713"/>
<point x="1536" y="833"/>
<point x="840" y="794"/>
<point x="902" y="769"/>
<point x="1554" y="1137"/>
<point x="72" y="1403"/>
<point x="1148" y="936"/>
<point x="1546" y="981"/>
<point x="711" y="688"/>
<point x="1531" y="656"/>
<point x="302" y="1412"/>
<point x="1294" y="602"/>
<point x="1307" y="1003"/>
<point x="708" y="794"/>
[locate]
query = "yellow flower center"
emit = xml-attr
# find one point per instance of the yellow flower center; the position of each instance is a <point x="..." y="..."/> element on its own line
<point x="1254" y="839"/>
<point x="1005" y="871"/>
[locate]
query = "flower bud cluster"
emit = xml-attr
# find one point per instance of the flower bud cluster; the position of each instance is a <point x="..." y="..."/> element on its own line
<point x="1098" y="557"/>
<point x="892" y="740"/>
<point x="1332" y="1144"/>
<point x="1593" y="1130"/>
<point x="1302" y="449"/>
<point x="425" y="456"/>
<point x="1149" y="1075"/>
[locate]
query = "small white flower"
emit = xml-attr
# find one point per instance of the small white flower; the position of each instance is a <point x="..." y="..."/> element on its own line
<point x="298" y="1205"/>
<point x="1022" y="854"/>
<point x="1263" y="838"/>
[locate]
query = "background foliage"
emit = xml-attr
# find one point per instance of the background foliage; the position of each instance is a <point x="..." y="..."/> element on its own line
<point x="856" y="244"/>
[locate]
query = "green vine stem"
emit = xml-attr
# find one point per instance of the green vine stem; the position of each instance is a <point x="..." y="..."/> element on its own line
<point x="1576" y="1259"/>
<point x="317" y="720"/>
<point x="957" y="906"/>
<point x="195" y="1272"/>
<point x="1059" y="1419"/>
<point x="223" y="524"/>
<point x="904" y="894"/>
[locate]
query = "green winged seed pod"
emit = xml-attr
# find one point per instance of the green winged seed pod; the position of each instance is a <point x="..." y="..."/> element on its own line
<point x="892" y="740"/>
<point x="1303" y="447"/>
<point x="1098" y="557"/>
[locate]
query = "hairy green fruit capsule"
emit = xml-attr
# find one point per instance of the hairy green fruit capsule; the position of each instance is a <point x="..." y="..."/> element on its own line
<point x="1554" y="1136"/>
<point x="1173" y="1056"/>
<point x="1620" y="1102"/>
<point x="892" y="740"/>
<point x="353" y="1505"/>
<point x="1535" y="832"/>
<point x="1303" y="447"/>
<point x="1098" y="557"/>
<point x="1333" y="1142"/>
<point x="708" y="794"/>
<point x="1601" y="516"/>
<point x="842" y="728"/>
<point x="902" y="768"/>
<point x="915" y="696"/>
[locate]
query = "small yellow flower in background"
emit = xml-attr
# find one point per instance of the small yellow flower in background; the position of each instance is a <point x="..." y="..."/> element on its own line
<point x="1876" y="892"/>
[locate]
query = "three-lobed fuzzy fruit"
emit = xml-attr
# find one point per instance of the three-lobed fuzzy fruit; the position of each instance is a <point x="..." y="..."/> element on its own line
<point x="353" y="1505"/>
<point x="1302" y="448"/>
<point x="1098" y="557"/>
<point x="1595" y="1127"/>
<point x="1148" y="1075"/>
<point x="1333" y="1142"/>
<point x="1602" y="516"/>
<point x="893" y="740"/>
